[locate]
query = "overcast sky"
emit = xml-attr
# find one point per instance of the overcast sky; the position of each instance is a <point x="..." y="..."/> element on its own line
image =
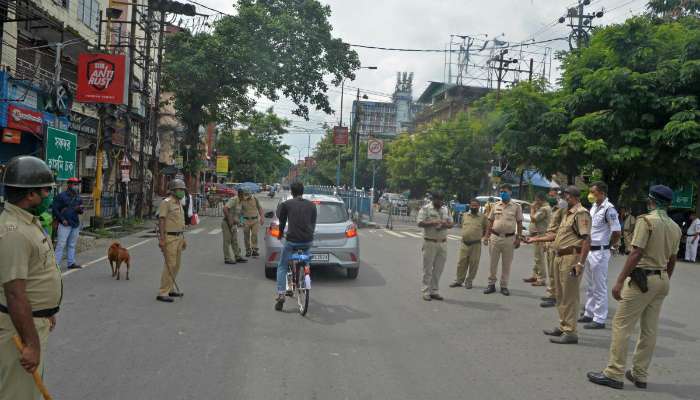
<point x="428" y="24"/>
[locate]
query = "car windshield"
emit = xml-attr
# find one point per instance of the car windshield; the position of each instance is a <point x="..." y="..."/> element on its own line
<point x="330" y="213"/>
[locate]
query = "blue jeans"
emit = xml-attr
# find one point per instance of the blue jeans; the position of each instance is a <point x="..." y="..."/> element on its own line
<point x="289" y="248"/>
<point x="67" y="239"/>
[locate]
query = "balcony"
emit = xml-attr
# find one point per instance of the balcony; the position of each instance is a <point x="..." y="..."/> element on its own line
<point x="36" y="74"/>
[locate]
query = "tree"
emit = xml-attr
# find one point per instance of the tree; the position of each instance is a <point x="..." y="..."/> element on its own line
<point x="674" y="8"/>
<point x="268" y="48"/>
<point x="256" y="152"/>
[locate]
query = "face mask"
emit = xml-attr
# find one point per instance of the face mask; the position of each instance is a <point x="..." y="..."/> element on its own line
<point x="591" y="198"/>
<point x="552" y="201"/>
<point x="505" y="196"/>
<point x="42" y="207"/>
<point x="73" y="189"/>
<point x="562" y="203"/>
<point x="474" y="210"/>
<point x="179" y="194"/>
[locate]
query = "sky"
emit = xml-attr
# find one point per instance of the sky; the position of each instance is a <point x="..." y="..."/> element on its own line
<point x="426" y="24"/>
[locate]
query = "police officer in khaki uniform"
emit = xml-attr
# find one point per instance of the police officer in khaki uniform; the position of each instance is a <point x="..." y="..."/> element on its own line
<point x="473" y="231"/>
<point x="572" y="243"/>
<point x="539" y="222"/>
<point x="503" y="236"/>
<point x="171" y="240"/>
<point x="229" y="227"/>
<point x="30" y="281"/>
<point x="435" y="221"/>
<point x="252" y="215"/>
<point x="641" y="288"/>
<point x="550" y="297"/>
<point x="628" y="222"/>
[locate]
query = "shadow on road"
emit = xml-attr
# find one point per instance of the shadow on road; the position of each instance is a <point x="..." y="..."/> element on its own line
<point x="604" y="343"/>
<point x="477" y="305"/>
<point x="336" y="276"/>
<point x="327" y="314"/>
<point x="679" y="391"/>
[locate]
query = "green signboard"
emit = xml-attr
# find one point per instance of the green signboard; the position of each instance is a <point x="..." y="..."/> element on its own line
<point x="683" y="197"/>
<point x="61" y="149"/>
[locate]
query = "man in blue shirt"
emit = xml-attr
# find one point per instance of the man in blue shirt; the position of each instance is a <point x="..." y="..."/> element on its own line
<point x="66" y="210"/>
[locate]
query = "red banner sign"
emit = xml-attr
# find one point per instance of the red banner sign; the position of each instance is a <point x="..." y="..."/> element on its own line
<point x="101" y="78"/>
<point x="11" y="136"/>
<point x="24" y="119"/>
<point x="340" y="136"/>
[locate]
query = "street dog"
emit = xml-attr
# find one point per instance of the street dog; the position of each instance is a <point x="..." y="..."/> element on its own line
<point x="118" y="255"/>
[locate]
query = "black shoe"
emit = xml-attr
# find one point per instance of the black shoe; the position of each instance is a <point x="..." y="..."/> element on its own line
<point x="631" y="378"/>
<point x="279" y="304"/>
<point x="548" y="303"/>
<point x="505" y="291"/>
<point x="175" y="294"/>
<point x="599" y="378"/>
<point x="547" y="298"/>
<point x="229" y="262"/>
<point x="490" y="289"/>
<point x="565" y="338"/>
<point x="255" y="253"/>
<point x="74" y="266"/>
<point x="553" y="332"/>
<point x="248" y="253"/>
<point x="455" y="284"/>
<point x="436" y="297"/>
<point x="241" y="260"/>
<point x="585" y="319"/>
<point x="165" y="299"/>
<point x="594" y="325"/>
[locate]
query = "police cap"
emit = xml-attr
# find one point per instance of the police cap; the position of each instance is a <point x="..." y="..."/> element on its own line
<point x="661" y="193"/>
<point x="177" y="184"/>
<point x="573" y="190"/>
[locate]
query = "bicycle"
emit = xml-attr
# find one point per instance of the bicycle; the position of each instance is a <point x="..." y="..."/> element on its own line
<point x="299" y="279"/>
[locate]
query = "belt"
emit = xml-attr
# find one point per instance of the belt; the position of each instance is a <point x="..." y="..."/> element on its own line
<point x="174" y="233"/>
<point x="653" y="271"/>
<point x="471" y="242"/>
<point x="503" y="235"/>
<point x="49" y="312"/>
<point x="596" y="248"/>
<point x="567" y="251"/>
<point x="256" y="217"/>
<point x="436" y="240"/>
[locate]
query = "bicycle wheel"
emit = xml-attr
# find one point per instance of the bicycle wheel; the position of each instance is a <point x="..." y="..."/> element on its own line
<point x="303" y="288"/>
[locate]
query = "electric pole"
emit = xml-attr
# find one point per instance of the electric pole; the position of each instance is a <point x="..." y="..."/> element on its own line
<point x="580" y="24"/>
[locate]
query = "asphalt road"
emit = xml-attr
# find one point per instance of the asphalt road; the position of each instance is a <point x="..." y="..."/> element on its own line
<point x="370" y="338"/>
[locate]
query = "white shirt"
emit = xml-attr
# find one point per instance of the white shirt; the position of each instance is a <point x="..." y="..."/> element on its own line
<point x="605" y="222"/>
<point x="694" y="227"/>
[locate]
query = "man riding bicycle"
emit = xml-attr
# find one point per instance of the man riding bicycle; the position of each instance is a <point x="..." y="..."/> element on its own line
<point x="300" y="215"/>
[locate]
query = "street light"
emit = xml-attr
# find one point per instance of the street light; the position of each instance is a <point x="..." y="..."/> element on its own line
<point x="342" y="95"/>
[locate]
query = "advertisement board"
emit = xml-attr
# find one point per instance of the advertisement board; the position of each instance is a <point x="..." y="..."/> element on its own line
<point x="102" y="78"/>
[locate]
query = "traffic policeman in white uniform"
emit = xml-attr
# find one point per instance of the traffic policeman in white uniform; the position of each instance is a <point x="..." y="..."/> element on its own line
<point x="605" y="235"/>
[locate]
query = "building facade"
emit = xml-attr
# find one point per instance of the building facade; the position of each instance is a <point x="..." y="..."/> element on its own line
<point x="443" y="101"/>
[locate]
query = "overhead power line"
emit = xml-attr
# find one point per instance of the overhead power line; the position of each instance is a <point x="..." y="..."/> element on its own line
<point x="450" y="50"/>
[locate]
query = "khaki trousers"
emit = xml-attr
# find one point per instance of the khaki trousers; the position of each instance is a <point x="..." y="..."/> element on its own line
<point x="501" y="247"/>
<point x="230" y="235"/>
<point x="567" y="292"/>
<point x="434" y="258"/>
<point x="550" y="290"/>
<point x="539" y="271"/>
<point x="250" y="234"/>
<point x="636" y="306"/>
<point x="468" y="264"/>
<point x="627" y="237"/>
<point x="15" y="382"/>
<point x="172" y="254"/>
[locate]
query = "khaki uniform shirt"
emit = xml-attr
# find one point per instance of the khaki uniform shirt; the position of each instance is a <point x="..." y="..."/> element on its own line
<point x="171" y="210"/>
<point x="575" y="223"/>
<point x="541" y="219"/>
<point x="505" y="217"/>
<point x="473" y="226"/>
<point x="429" y="213"/>
<point x="658" y="237"/>
<point x="249" y="207"/>
<point x="26" y="253"/>
<point x="234" y="208"/>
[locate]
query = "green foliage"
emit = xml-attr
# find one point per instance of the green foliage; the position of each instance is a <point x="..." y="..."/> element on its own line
<point x="256" y="152"/>
<point x="268" y="48"/>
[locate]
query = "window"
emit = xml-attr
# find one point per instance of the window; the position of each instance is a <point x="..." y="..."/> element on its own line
<point x="331" y="213"/>
<point x="89" y="13"/>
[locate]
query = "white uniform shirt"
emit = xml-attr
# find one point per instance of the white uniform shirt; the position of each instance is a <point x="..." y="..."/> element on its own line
<point x="694" y="227"/>
<point x="605" y="221"/>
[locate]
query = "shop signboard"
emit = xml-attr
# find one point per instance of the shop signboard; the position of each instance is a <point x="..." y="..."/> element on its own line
<point x="61" y="149"/>
<point x="24" y="119"/>
<point x="102" y="78"/>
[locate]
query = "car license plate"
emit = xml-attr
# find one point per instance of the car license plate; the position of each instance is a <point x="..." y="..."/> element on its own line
<point x="319" y="258"/>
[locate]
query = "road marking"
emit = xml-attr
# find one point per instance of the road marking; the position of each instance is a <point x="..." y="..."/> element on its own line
<point x="392" y="233"/>
<point x="196" y="231"/>
<point x="215" y="231"/>
<point x="95" y="261"/>
<point x="415" y="235"/>
<point x="453" y="237"/>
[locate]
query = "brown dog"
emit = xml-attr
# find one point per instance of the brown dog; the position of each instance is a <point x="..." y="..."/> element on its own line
<point x="118" y="255"/>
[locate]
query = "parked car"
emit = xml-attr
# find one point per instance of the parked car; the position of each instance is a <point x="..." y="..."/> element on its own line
<point x="252" y="187"/>
<point x="219" y="189"/>
<point x="393" y="200"/>
<point x="335" y="241"/>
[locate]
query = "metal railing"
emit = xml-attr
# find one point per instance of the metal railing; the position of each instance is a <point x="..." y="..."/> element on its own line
<point x="29" y="71"/>
<point x="357" y="201"/>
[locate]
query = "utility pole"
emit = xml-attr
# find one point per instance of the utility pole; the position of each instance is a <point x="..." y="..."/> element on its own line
<point x="97" y="189"/>
<point x="580" y="24"/>
<point x="145" y="127"/>
<point x="155" y="116"/>
<point x="355" y="141"/>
